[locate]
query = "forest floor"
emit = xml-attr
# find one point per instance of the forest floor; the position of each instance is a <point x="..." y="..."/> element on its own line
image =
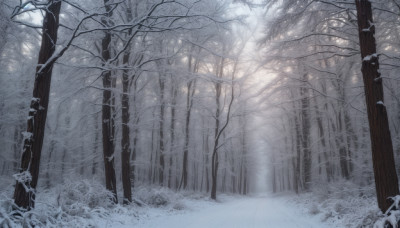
<point x="84" y="204"/>
<point x="235" y="211"/>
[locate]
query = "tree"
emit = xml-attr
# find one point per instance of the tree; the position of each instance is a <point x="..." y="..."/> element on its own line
<point x="386" y="181"/>
<point x="25" y="189"/>
<point x="108" y="127"/>
<point x="219" y="129"/>
<point x="191" y="88"/>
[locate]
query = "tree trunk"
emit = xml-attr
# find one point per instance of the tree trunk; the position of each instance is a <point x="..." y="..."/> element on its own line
<point x="107" y="120"/>
<point x="297" y="163"/>
<point x="174" y="92"/>
<point x="386" y="181"/>
<point x="95" y="148"/>
<point x="218" y="130"/>
<point x="135" y="136"/>
<point x="186" y="145"/>
<point x="214" y="157"/>
<point x="321" y="134"/>
<point x="125" y="116"/>
<point x="305" y="116"/>
<point x="125" y="140"/>
<point x="161" y="131"/>
<point x="25" y="188"/>
<point x="189" y="104"/>
<point x="344" y="166"/>
<point x="206" y="154"/>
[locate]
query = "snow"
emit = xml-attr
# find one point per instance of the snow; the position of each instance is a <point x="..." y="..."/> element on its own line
<point x="27" y="135"/>
<point x="391" y="216"/>
<point x="23" y="177"/>
<point x="369" y="57"/>
<point x="260" y="211"/>
<point x="86" y="203"/>
<point x="35" y="99"/>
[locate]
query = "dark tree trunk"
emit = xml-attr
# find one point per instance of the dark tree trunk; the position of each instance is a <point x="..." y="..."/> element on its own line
<point x="298" y="186"/>
<point x="297" y="161"/>
<point x="344" y="166"/>
<point x="305" y="141"/>
<point x="133" y="157"/>
<point x="125" y="141"/>
<point x="189" y="104"/>
<point x="186" y="145"/>
<point x="107" y="118"/>
<point x="154" y="153"/>
<point x="135" y="137"/>
<point x="96" y="139"/>
<point x="273" y="175"/>
<point x="16" y="147"/>
<point x="219" y="130"/>
<point x="214" y="169"/>
<point x="25" y="188"/>
<point x="161" y="167"/>
<point x="214" y="157"/>
<point x="351" y="137"/>
<point x="206" y="164"/>
<point x="321" y="134"/>
<point x="386" y="181"/>
<point x="174" y="92"/>
<point x="125" y="116"/>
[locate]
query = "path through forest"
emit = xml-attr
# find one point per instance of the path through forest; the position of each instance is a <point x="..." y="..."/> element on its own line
<point x="261" y="211"/>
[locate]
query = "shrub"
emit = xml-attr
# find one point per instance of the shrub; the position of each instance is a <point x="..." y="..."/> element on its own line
<point x="79" y="197"/>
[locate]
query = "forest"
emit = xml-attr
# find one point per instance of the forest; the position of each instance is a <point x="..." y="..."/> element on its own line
<point x="199" y="113"/>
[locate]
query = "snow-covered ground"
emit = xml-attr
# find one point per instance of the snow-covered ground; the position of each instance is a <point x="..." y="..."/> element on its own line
<point x="246" y="212"/>
<point x="85" y="204"/>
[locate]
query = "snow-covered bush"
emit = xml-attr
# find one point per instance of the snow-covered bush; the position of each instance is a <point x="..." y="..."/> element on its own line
<point x="342" y="203"/>
<point x="156" y="196"/>
<point x="80" y="197"/>
<point x="74" y="204"/>
<point x="392" y="217"/>
<point x="179" y="206"/>
<point x="314" y="209"/>
<point x="6" y="212"/>
<point x="43" y="215"/>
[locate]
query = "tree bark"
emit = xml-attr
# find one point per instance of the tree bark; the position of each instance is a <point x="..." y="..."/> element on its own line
<point x="125" y="140"/>
<point x="174" y="92"/>
<point x="214" y="157"/>
<point x="189" y="104"/>
<point x="186" y="145"/>
<point x="218" y="130"/>
<point x="96" y="139"/>
<point x="107" y="120"/>
<point x="321" y="135"/>
<point x="386" y="181"/>
<point x="305" y="140"/>
<point x="161" y="167"/>
<point x="297" y="163"/>
<point x="125" y="116"/>
<point x="25" y="188"/>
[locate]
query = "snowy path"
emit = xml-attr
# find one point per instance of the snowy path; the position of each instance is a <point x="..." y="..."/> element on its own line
<point x="263" y="212"/>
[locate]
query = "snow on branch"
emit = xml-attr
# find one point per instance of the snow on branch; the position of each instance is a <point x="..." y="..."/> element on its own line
<point x="370" y="57"/>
